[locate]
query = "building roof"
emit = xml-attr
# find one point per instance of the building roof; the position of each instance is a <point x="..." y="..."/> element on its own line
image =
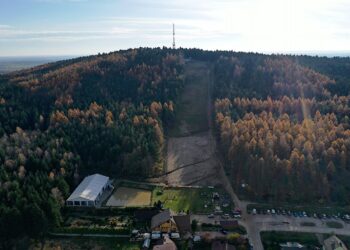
<point x="333" y="243"/>
<point x="89" y="188"/>
<point x="183" y="223"/>
<point x="160" y="218"/>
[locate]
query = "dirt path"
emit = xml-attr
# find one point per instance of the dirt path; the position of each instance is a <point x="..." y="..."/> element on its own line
<point x="191" y="146"/>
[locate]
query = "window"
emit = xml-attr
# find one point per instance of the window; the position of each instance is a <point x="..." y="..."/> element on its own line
<point x="76" y="203"/>
<point x="84" y="203"/>
<point x="70" y="203"/>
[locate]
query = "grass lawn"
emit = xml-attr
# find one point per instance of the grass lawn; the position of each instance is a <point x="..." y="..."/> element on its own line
<point x="334" y="224"/>
<point x="193" y="199"/>
<point x="271" y="240"/>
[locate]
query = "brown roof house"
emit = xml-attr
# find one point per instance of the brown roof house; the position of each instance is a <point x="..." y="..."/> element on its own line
<point x="163" y="222"/>
<point x="183" y="223"/>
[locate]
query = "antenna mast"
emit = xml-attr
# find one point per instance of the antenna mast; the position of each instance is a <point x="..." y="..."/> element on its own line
<point x="173" y="36"/>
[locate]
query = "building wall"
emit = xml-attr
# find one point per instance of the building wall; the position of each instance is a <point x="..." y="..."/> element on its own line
<point x="168" y="226"/>
<point x="85" y="203"/>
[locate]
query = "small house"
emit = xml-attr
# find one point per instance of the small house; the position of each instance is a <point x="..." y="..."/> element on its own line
<point x="163" y="222"/>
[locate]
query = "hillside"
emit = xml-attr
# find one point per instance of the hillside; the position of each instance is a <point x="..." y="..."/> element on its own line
<point x="61" y="121"/>
<point x="275" y="117"/>
<point x="280" y="120"/>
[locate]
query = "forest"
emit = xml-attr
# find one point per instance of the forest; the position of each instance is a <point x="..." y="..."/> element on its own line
<point x="286" y="119"/>
<point x="277" y="117"/>
<point x="64" y="120"/>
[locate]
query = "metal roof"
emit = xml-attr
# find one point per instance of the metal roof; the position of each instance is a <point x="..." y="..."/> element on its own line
<point x="89" y="188"/>
<point x="160" y="218"/>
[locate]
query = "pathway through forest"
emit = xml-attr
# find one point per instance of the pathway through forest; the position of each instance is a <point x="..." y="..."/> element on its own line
<point x="191" y="146"/>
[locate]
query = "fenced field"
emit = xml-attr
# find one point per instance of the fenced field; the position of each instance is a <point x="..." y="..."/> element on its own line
<point x="129" y="197"/>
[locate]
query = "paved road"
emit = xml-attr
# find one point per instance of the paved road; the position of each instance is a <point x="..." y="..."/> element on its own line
<point x="259" y="223"/>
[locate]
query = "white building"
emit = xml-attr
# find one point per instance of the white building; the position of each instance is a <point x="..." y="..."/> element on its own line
<point x="89" y="191"/>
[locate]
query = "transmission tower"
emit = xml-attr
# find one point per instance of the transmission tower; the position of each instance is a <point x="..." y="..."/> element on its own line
<point x="173" y="36"/>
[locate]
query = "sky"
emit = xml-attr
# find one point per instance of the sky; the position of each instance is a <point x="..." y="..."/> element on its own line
<point x="83" y="27"/>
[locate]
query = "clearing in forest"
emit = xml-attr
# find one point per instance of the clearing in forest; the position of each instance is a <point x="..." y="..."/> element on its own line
<point x="191" y="146"/>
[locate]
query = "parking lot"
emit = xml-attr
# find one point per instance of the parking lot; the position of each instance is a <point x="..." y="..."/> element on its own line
<point x="301" y="214"/>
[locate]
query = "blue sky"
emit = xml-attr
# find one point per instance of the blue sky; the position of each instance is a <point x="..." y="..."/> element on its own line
<point x="80" y="27"/>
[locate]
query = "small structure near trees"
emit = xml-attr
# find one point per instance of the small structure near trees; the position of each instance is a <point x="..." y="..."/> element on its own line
<point x="89" y="191"/>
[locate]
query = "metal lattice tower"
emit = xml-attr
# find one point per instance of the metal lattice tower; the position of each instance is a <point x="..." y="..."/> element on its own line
<point x="173" y="36"/>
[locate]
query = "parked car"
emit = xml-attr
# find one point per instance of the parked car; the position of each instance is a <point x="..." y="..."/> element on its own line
<point x="225" y="216"/>
<point x="175" y="235"/>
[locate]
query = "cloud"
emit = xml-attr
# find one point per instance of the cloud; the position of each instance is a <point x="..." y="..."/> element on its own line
<point x="248" y="25"/>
